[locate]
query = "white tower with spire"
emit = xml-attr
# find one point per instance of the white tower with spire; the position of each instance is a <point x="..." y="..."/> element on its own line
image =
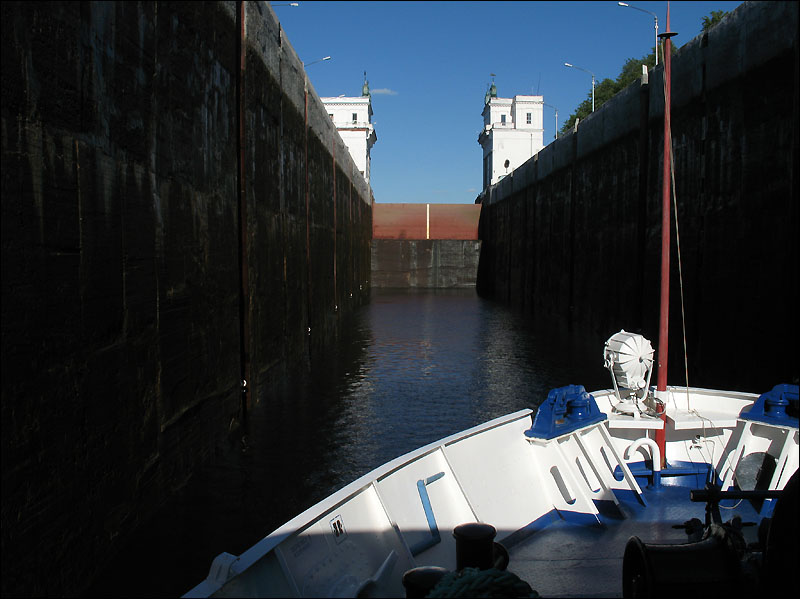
<point x="513" y="131"/>
<point x="353" y="119"/>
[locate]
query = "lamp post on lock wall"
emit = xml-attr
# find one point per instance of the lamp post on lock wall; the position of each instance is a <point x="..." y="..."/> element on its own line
<point x="556" y="109"/>
<point x="655" y="16"/>
<point x="566" y="64"/>
<point x="315" y="61"/>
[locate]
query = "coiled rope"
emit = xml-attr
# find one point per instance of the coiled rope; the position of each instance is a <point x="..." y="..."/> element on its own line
<point x="472" y="582"/>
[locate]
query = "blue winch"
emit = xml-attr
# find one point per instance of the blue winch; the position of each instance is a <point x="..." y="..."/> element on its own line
<point x="566" y="409"/>
<point x="771" y="407"/>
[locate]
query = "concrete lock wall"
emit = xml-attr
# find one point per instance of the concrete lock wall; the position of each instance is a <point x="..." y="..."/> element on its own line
<point x="425" y="245"/>
<point x="424" y="263"/>
<point x="130" y="311"/>
<point x="575" y="232"/>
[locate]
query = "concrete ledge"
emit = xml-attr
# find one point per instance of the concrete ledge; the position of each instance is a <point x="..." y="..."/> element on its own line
<point x="524" y="175"/>
<point x="562" y="151"/>
<point x="505" y="187"/>
<point x="544" y="161"/>
<point x="773" y="21"/>
<point x="617" y="121"/>
<point x="263" y="33"/>
<point x="687" y="74"/>
<point x="751" y="35"/>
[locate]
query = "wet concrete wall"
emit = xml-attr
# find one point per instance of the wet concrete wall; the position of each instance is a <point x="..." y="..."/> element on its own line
<point x="425" y="263"/>
<point x="574" y="233"/>
<point x="173" y="219"/>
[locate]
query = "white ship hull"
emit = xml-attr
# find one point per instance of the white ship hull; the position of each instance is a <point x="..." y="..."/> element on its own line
<point x="564" y="507"/>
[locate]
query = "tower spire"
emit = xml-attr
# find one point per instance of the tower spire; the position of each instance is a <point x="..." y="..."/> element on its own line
<point x="365" y="87"/>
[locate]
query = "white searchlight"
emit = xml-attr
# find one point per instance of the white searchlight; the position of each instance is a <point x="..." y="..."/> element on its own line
<point x="629" y="359"/>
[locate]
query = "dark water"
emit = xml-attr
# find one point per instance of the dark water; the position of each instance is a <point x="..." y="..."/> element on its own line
<point x="414" y="367"/>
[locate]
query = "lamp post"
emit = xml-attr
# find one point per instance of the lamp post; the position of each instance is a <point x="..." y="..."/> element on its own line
<point x="289" y="4"/>
<point x="566" y="64"/>
<point x="315" y="61"/>
<point x="655" y="16"/>
<point x="556" y="109"/>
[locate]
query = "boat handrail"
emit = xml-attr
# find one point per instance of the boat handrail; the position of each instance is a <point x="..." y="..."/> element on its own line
<point x="655" y="456"/>
<point x="655" y="453"/>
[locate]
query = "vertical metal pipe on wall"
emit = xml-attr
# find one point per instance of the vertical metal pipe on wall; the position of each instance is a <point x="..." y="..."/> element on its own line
<point x="244" y="280"/>
<point x="333" y="159"/>
<point x="308" y="216"/>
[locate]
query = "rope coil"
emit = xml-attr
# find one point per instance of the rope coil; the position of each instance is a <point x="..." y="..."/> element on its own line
<point x="472" y="582"/>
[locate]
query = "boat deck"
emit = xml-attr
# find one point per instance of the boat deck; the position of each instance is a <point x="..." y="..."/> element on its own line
<point x="562" y="559"/>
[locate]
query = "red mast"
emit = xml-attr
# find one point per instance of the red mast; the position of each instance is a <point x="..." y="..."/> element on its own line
<point x="663" y="329"/>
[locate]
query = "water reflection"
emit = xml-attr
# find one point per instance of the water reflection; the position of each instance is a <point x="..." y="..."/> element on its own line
<point x="413" y="367"/>
<point x="417" y="366"/>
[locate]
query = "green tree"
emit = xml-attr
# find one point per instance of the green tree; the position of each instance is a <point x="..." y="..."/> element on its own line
<point x="715" y="17"/>
<point x="608" y="88"/>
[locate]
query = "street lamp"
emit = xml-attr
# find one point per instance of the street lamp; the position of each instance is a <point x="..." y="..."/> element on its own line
<point x="566" y="64"/>
<point x="556" y="109"/>
<point x="315" y="61"/>
<point x="289" y="4"/>
<point x="655" y="16"/>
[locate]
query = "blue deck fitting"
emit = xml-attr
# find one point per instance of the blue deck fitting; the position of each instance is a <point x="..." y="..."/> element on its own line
<point x="702" y="472"/>
<point x="771" y="406"/>
<point x="565" y="410"/>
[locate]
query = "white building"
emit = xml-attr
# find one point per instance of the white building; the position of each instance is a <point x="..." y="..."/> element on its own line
<point x="353" y="119"/>
<point x="512" y="132"/>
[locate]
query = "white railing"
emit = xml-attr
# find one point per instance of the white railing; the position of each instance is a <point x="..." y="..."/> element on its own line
<point x="353" y="125"/>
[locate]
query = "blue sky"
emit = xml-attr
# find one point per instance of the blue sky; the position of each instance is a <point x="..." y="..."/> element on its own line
<point x="429" y="65"/>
